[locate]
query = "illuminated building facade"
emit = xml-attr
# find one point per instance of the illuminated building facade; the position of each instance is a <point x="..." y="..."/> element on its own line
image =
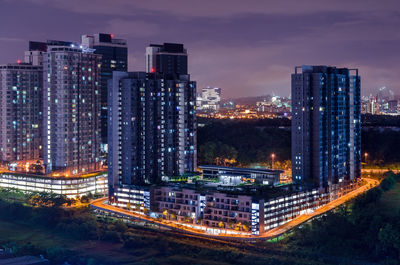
<point x="114" y="57"/>
<point x="218" y="212"/>
<point x="151" y="127"/>
<point x="152" y="122"/>
<point x="68" y="186"/>
<point x="71" y="104"/>
<point x="20" y="112"/>
<point x="326" y="126"/>
<point x="209" y="99"/>
<point x="259" y="175"/>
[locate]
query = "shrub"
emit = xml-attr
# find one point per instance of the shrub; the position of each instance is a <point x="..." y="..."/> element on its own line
<point x="388" y="183"/>
<point x="112" y="236"/>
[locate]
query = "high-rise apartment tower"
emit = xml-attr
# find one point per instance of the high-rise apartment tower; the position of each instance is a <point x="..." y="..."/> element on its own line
<point x="20" y="112"/>
<point x="152" y="124"/>
<point x="71" y="108"/>
<point x="326" y="125"/>
<point x="114" y="57"/>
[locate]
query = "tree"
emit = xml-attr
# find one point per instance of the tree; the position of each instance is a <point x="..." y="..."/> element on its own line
<point x="389" y="182"/>
<point x="85" y="198"/>
<point x="199" y="220"/>
<point x="246" y="226"/>
<point x="389" y="238"/>
<point x="208" y="152"/>
<point x="225" y="155"/>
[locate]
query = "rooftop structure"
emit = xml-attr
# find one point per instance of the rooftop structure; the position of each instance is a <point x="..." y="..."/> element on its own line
<point x="167" y="58"/>
<point x="257" y="175"/>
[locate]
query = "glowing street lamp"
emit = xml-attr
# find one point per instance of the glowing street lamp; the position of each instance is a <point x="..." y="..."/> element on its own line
<point x="272" y="157"/>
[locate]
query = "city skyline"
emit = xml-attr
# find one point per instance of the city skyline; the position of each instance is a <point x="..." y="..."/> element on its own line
<point x="267" y="39"/>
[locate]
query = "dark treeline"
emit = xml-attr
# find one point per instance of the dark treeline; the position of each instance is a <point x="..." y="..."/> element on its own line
<point x="366" y="120"/>
<point x="380" y="120"/>
<point x="381" y="145"/>
<point x="261" y="122"/>
<point x="361" y="229"/>
<point x="245" y="141"/>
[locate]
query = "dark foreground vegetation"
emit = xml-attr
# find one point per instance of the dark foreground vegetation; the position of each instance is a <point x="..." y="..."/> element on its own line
<point x="242" y="143"/>
<point x="368" y="228"/>
<point x="77" y="236"/>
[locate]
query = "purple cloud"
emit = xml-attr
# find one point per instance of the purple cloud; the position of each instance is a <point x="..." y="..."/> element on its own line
<point x="245" y="47"/>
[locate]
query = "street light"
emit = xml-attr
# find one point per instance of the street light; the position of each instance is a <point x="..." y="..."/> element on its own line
<point x="273" y="157"/>
<point x="365" y="159"/>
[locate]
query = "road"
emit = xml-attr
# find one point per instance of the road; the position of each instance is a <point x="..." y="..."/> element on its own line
<point x="378" y="170"/>
<point x="370" y="183"/>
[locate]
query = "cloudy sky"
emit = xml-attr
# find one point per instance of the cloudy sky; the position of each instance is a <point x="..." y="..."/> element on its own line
<point x="246" y="47"/>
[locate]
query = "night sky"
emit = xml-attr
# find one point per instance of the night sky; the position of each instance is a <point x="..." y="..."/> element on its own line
<point x="246" y="47"/>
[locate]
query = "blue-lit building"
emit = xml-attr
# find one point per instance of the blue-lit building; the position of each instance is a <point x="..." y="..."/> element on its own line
<point x="151" y="127"/>
<point x="326" y="126"/>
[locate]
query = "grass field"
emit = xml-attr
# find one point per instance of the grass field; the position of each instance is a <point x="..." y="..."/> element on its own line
<point x="42" y="239"/>
<point x="177" y="249"/>
<point x="99" y="252"/>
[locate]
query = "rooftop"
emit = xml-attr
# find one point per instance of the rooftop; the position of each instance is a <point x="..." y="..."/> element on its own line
<point x="250" y="170"/>
<point x="54" y="176"/>
<point x="256" y="191"/>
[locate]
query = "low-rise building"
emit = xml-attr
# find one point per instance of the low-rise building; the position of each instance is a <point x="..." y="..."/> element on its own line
<point x="132" y="198"/>
<point x="72" y="187"/>
<point x="239" y="211"/>
<point x="230" y="174"/>
<point x="209" y="99"/>
<point x="228" y="211"/>
<point x="179" y="204"/>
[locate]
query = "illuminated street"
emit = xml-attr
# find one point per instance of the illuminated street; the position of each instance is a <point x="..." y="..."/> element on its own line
<point x="370" y="183"/>
<point x="377" y="170"/>
<point x="333" y="204"/>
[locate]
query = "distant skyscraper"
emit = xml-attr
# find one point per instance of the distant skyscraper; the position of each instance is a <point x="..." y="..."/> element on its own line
<point x="20" y="112"/>
<point x="114" y="58"/>
<point x="71" y="101"/>
<point x="392" y="106"/>
<point x="326" y="125"/>
<point x="152" y="127"/>
<point x="209" y="99"/>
